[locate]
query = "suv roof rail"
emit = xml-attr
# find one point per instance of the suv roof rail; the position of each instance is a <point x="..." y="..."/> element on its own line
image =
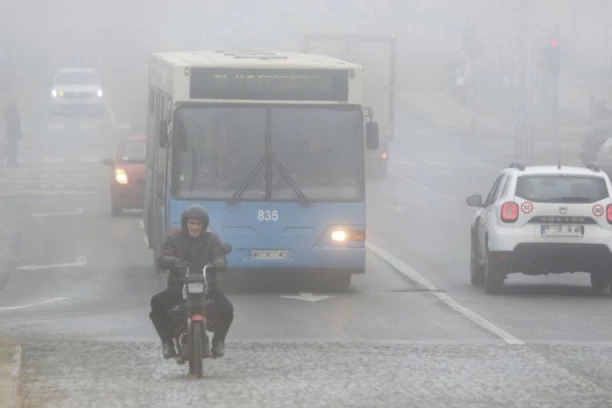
<point x="593" y="167"/>
<point x="517" y="165"/>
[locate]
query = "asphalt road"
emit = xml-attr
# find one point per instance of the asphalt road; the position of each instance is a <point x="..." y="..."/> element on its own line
<point x="75" y="285"/>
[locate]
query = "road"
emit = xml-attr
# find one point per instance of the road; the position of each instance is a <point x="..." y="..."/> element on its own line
<point x="75" y="285"/>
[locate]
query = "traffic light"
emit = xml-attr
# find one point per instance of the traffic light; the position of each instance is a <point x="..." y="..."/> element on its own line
<point x="551" y="56"/>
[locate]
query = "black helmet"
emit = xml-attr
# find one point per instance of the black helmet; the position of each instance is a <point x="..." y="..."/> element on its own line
<point x="195" y="212"/>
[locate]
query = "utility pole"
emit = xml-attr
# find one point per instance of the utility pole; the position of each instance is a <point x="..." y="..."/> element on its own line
<point x="555" y="66"/>
<point x="521" y="126"/>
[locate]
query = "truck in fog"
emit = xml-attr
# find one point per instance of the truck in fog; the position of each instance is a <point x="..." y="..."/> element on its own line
<point x="376" y="53"/>
<point x="273" y="146"/>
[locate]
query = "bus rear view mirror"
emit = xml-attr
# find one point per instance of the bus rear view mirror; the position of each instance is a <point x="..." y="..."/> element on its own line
<point x="372" y="135"/>
<point x="163" y="134"/>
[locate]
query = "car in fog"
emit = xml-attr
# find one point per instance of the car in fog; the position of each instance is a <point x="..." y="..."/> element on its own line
<point x="77" y="91"/>
<point x="128" y="175"/>
<point x="539" y="220"/>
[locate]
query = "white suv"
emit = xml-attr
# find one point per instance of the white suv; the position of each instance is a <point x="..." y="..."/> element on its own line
<point x="539" y="220"/>
<point x="77" y="91"/>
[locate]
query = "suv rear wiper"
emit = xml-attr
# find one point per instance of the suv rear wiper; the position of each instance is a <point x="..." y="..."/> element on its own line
<point x="576" y="199"/>
<point x="283" y="171"/>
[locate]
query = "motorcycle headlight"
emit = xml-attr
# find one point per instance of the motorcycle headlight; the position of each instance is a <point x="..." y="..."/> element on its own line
<point x="195" y="288"/>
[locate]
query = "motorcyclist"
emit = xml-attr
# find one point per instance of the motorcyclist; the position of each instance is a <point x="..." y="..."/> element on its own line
<point x="198" y="247"/>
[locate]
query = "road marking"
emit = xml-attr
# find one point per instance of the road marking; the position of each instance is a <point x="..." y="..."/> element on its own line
<point x="52" y="159"/>
<point x="75" y="212"/>
<point x="450" y="197"/>
<point x="397" y="208"/>
<point x="89" y="159"/>
<point x="308" y="297"/>
<point x="80" y="261"/>
<point x="146" y="240"/>
<point x="413" y="275"/>
<point x="141" y="222"/>
<point x="422" y="186"/>
<point x="44" y="302"/>
<point x="407" y="180"/>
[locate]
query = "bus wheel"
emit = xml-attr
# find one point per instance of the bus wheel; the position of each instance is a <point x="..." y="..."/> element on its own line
<point x="339" y="281"/>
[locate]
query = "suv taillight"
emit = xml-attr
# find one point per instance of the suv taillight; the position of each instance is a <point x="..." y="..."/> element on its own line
<point x="609" y="213"/>
<point x="510" y="212"/>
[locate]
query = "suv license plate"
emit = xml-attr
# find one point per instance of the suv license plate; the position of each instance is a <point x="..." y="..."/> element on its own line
<point x="269" y="254"/>
<point x="558" y="230"/>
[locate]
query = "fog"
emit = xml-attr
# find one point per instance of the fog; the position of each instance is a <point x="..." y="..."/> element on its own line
<point x="116" y="37"/>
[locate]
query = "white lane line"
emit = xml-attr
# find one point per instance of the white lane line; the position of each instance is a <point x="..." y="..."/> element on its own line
<point x="75" y="212"/>
<point x="44" y="302"/>
<point x="422" y="186"/>
<point x="146" y="240"/>
<point x="409" y="181"/>
<point x="450" y="197"/>
<point x="141" y="222"/>
<point x="52" y="159"/>
<point x="421" y="280"/>
<point x="80" y="261"/>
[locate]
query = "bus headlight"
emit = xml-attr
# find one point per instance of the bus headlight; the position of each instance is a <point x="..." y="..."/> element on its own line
<point x="120" y="176"/>
<point x="338" y="235"/>
<point x="342" y="235"/>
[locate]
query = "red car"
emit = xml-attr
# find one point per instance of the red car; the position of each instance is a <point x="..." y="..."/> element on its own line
<point x="128" y="176"/>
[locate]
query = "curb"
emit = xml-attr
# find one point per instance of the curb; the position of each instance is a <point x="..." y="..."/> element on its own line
<point x="13" y="386"/>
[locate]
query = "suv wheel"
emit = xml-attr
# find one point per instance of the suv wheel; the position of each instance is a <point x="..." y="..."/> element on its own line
<point x="477" y="272"/>
<point x="600" y="282"/>
<point x="494" y="275"/>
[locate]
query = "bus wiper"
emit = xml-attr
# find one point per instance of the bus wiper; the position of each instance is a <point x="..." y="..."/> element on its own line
<point x="283" y="171"/>
<point x="236" y="196"/>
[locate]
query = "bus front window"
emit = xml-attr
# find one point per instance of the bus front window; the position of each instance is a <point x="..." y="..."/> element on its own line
<point x="320" y="151"/>
<point x="215" y="149"/>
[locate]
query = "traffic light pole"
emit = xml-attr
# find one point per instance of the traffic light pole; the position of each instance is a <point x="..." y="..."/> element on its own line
<point x="555" y="109"/>
<point x="555" y="89"/>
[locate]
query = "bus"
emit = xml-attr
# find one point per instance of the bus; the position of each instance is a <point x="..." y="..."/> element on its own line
<point x="272" y="144"/>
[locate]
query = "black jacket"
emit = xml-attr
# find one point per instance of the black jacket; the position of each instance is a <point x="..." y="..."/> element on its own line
<point x="199" y="252"/>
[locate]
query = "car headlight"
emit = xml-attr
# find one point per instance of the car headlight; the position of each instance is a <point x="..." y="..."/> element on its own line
<point x="100" y="93"/>
<point x="195" y="288"/>
<point x="120" y="176"/>
<point x="54" y="93"/>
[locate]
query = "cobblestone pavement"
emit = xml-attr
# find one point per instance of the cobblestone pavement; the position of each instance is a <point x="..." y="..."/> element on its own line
<point x="276" y="374"/>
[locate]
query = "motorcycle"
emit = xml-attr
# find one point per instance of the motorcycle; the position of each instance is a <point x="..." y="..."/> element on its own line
<point x="195" y="316"/>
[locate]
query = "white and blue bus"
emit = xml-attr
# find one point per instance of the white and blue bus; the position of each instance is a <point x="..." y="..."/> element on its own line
<point x="273" y="146"/>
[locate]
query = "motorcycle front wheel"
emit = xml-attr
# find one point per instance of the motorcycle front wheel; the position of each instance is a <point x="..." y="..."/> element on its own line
<point x="196" y="345"/>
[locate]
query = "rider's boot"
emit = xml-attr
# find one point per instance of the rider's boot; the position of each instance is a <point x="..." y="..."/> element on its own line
<point x="218" y="348"/>
<point x="168" y="347"/>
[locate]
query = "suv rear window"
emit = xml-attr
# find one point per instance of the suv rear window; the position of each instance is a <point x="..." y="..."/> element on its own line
<point x="561" y="189"/>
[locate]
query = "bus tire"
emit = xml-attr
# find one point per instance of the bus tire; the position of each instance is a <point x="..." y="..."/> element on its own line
<point x="339" y="280"/>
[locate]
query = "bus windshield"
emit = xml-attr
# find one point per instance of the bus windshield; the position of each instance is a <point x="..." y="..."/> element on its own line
<point x="217" y="149"/>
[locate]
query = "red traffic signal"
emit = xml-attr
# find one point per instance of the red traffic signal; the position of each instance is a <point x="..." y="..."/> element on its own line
<point x="554" y="42"/>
